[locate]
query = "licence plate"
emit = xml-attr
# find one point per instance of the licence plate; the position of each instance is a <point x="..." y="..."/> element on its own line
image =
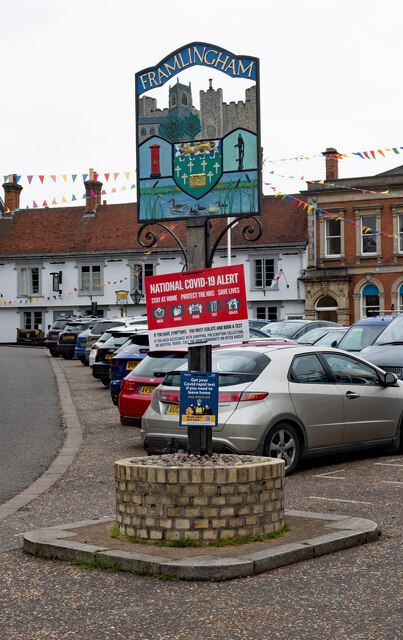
<point x="83" y="343"/>
<point x="172" y="410"/>
<point x="146" y="390"/>
<point x="68" y="336"/>
<point x="108" y="356"/>
<point x="132" y="364"/>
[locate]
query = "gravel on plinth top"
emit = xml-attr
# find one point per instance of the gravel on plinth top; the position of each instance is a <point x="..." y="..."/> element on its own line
<point x="192" y="460"/>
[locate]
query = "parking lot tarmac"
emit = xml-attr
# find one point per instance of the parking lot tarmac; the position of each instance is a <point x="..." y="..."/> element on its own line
<point x="353" y="595"/>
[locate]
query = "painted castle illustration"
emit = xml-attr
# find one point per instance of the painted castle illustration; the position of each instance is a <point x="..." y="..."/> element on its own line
<point x="217" y="118"/>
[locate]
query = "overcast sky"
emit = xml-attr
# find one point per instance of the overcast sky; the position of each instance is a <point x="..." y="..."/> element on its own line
<point x="330" y="76"/>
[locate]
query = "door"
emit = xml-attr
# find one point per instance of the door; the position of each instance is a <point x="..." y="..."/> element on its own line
<point x="371" y="410"/>
<point x="318" y="402"/>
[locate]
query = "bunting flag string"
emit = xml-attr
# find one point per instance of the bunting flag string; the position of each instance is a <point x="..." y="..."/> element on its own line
<point x="309" y="207"/>
<point x="56" y="178"/>
<point x="73" y="198"/>
<point x="48" y="299"/>
<point x="365" y="155"/>
<point x="334" y="184"/>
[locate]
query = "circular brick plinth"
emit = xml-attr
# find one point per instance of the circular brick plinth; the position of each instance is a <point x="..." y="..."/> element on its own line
<point x="159" y="503"/>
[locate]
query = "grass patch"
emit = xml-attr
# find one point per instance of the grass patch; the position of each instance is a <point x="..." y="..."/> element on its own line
<point x="189" y="542"/>
<point x="93" y="564"/>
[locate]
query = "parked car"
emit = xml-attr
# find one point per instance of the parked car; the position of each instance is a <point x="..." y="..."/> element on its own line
<point x="53" y="333"/>
<point x="331" y="338"/>
<point x="133" y="402"/>
<point x="294" y="329"/>
<point x="288" y="402"/>
<point x="66" y="342"/>
<point x="81" y="343"/>
<point x="313" y="335"/>
<point x="123" y="362"/>
<point x="104" y="324"/>
<point x="136" y="389"/>
<point x="364" y="332"/>
<point x="257" y="323"/>
<point x="387" y="350"/>
<point x="118" y="337"/>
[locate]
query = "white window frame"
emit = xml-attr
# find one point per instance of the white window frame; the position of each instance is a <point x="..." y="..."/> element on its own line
<point x="368" y="234"/>
<point x="25" y="281"/>
<point x="400" y="232"/>
<point x="91" y="291"/>
<point x="266" y="283"/>
<point x="31" y="312"/>
<point x="329" y="237"/>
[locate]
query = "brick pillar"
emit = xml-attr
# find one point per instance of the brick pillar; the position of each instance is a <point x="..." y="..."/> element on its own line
<point x="92" y="186"/>
<point x="332" y="163"/>
<point x="12" y="192"/>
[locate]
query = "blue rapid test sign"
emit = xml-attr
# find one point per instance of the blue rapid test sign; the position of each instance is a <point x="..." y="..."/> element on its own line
<point x="198" y="404"/>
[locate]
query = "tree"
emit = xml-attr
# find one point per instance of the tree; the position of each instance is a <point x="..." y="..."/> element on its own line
<point x="172" y="128"/>
<point x="192" y="124"/>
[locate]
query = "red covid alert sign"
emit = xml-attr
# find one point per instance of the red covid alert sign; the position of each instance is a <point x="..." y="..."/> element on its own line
<point x="195" y="308"/>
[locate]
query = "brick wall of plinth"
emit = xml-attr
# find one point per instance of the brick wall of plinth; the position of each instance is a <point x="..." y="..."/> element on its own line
<point x="203" y="503"/>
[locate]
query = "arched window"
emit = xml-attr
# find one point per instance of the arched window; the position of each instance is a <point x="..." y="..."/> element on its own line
<point x="143" y="131"/>
<point x="184" y="99"/>
<point x="152" y="131"/>
<point x="370" y="300"/>
<point x="173" y="100"/>
<point x="326" y="308"/>
<point x="400" y="301"/>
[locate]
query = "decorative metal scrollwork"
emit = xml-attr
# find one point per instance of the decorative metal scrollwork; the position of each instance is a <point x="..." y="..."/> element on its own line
<point x="249" y="233"/>
<point x="150" y="238"/>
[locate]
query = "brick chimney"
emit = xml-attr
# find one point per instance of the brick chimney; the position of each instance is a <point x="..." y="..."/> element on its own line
<point x="12" y="192"/>
<point x="93" y="190"/>
<point x="332" y="163"/>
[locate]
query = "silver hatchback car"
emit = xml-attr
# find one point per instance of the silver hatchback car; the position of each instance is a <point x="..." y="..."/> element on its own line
<point x="289" y="402"/>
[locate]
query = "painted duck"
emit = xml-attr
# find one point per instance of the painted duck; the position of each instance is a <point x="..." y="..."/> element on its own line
<point x="180" y="208"/>
<point x="213" y="209"/>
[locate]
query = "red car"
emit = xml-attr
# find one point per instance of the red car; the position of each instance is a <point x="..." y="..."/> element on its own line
<point x="137" y="387"/>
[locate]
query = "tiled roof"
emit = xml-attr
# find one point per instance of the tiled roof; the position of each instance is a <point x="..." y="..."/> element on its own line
<point x="114" y="228"/>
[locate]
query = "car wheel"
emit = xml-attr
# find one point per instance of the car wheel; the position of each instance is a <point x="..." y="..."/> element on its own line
<point x="67" y="356"/>
<point x="105" y="381"/>
<point x="283" y="443"/>
<point x="54" y="353"/>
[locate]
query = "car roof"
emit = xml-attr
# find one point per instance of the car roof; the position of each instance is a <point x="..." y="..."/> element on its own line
<point x="374" y="320"/>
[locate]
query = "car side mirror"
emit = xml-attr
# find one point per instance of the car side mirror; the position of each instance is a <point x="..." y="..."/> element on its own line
<point x="390" y="379"/>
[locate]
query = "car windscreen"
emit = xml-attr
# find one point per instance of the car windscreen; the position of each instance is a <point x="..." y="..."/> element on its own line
<point x="76" y="326"/>
<point x="133" y="346"/>
<point x="160" y="362"/>
<point x="234" y="368"/>
<point x="359" y="337"/>
<point x="393" y="333"/>
<point x="102" y="326"/>
<point x="59" y="324"/>
<point x="286" y="329"/>
<point x="115" y="341"/>
<point x="311" y="336"/>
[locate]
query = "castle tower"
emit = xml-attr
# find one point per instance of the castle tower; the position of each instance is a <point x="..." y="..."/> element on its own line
<point x="211" y="112"/>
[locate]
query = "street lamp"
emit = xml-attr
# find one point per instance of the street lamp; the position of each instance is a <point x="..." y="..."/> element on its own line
<point x="136" y="296"/>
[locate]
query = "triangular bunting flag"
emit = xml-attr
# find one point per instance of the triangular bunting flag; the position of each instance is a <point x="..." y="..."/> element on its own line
<point x="115" y="175"/>
<point x="53" y="178"/>
<point x="127" y="174"/>
<point x="54" y="201"/>
<point x="74" y="176"/>
<point x="106" y="176"/>
<point x="85" y="176"/>
<point x="41" y="178"/>
<point x="34" y="204"/>
<point x="17" y="179"/>
<point x="73" y="197"/>
<point x="30" y="179"/>
<point x="44" y="204"/>
<point x="64" y="199"/>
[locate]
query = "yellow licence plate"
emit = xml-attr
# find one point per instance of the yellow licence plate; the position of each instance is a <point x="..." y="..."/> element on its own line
<point x="131" y="364"/>
<point x="172" y="409"/>
<point x="146" y="390"/>
<point x="68" y="336"/>
<point x="108" y="356"/>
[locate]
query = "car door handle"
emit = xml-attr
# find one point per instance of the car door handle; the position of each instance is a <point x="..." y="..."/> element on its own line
<point x="350" y="395"/>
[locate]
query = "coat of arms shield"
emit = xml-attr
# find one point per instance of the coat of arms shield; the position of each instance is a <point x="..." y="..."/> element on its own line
<point x="197" y="166"/>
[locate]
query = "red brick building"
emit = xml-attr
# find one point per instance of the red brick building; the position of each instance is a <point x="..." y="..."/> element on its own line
<point x="355" y="245"/>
